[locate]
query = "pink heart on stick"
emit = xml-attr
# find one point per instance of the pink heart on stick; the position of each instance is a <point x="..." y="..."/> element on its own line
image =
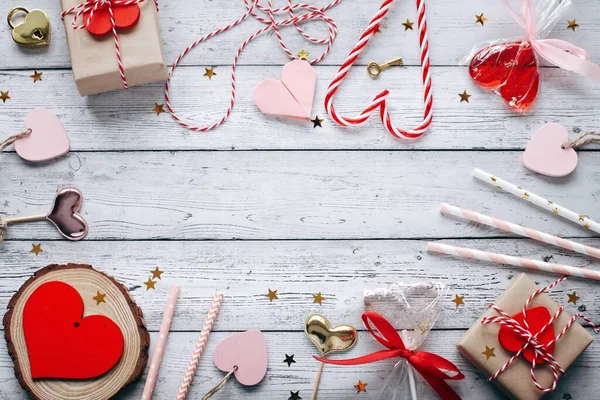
<point x="544" y="153"/>
<point x="247" y="351"/>
<point x="292" y="96"/>
<point x="47" y="140"/>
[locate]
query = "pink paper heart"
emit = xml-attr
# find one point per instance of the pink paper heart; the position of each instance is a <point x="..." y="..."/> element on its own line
<point x="247" y="351"/>
<point x="544" y="153"/>
<point x="47" y="140"/>
<point x="292" y="96"/>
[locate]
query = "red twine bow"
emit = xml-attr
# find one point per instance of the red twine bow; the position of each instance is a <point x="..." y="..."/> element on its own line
<point x="433" y="368"/>
<point x="101" y="17"/>
<point x="532" y="337"/>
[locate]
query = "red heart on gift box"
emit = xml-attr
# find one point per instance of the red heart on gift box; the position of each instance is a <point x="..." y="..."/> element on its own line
<point x="511" y="69"/>
<point x="537" y="318"/>
<point x="126" y="17"/>
<point x="61" y="343"/>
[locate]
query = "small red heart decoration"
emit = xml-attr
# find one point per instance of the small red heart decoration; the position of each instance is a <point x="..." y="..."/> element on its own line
<point x="61" y="344"/>
<point x="537" y="318"/>
<point x="511" y="69"/>
<point x="126" y="17"/>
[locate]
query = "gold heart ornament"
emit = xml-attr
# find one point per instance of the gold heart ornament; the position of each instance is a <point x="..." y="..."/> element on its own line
<point x="329" y="339"/>
<point x="34" y="31"/>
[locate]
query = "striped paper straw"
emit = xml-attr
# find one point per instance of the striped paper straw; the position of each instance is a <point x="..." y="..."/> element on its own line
<point x="161" y="343"/>
<point x="473" y="254"/>
<point x="505" y="226"/>
<point x="537" y="200"/>
<point x="200" y="345"/>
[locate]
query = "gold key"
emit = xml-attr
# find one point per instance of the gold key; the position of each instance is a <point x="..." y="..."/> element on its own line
<point x="374" y="68"/>
<point x="34" y="31"/>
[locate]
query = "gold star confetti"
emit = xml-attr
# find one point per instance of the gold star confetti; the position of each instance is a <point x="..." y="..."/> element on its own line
<point x="157" y="273"/>
<point x="150" y="284"/>
<point x="422" y="327"/>
<point x="36" y="248"/>
<point x="489" y="352"/>
<point x="272" y="295"/>
<point x="550" y="203"/>
<point x="480" y="19"/>
<point x="303" y="55"/>
<point x="408" y="25"/>
<point x="318" y="298"/>
<point x="289" y="360"/>
<point x="525" y="196"/>
<point x="37" y="76"/>
<point x="158" y="108"/>
<point x="573" y="25"/>
<point x="581" y="218"/>
<point x="573" y="297"/>
<point x="99" y="297"/>
<point x="586" y="226"/>
<point x="295" y="395"/>
<point x="464" y="96"/>
<point x="210" y="72"/>
<point x="360" y="386"/>
<point x="378" y="30"/>
<point x="458" y="300"/>
<point x="317" y="122"/>
<point x="555" y="211"/>
<point x="494" y="179"/>
<point x="4" y="96"/>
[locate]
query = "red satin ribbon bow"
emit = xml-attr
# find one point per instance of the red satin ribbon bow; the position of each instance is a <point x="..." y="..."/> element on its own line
<point x="433" y="368"/>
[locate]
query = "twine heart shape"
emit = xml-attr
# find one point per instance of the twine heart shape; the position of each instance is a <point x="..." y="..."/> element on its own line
<point x="292" y="96"/>
<point x="510" y="69"/>
<point x="65" y="214"/>
<point x="329" y="339"/>
<point x="61" y="344"/>
<point x="47" y="140"/>
<point x="248" y="352"/>
<point x="545" y="154"/>
<point x="537" y="318"/>
<point x="34" y="31"/>
<point x="126" y="17"/>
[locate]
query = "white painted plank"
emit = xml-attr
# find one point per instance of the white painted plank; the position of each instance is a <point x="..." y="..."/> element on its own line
<point x="245" y="270"/>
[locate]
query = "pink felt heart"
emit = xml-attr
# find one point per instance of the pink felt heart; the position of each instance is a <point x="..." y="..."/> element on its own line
<point x="292" y="96"/>
<point x="544" y="153"/>
<point x="47" y="140"/>
<point x="247" y="351"/>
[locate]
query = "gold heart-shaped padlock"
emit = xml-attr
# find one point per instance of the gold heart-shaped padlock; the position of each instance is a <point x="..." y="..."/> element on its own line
<point x="327" y="338"/>
<point x="34" y="31"/>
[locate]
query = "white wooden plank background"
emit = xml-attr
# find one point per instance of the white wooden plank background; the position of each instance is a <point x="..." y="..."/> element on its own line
<point x="289" y="207"/>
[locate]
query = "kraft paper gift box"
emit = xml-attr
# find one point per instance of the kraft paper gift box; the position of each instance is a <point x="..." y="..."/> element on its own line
<point x="94" y="60"/>
<point x="516" y="381"/>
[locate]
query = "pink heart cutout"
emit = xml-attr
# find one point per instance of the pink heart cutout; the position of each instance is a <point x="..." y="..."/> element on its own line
<point x="292" y="96"/>
<point x="47" y="140"/>
<point x="545" y="155"/>
<point x="247" y="351"/>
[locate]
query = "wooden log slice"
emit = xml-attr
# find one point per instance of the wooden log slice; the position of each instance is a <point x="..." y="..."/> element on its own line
<point x="119" y="307"/>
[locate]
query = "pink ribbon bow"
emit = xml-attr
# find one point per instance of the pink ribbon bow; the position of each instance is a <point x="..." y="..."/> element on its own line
<point x="558" y="52"/>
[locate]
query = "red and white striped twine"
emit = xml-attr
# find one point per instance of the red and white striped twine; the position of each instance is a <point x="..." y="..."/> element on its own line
<point x="531" y="340"/>
<point x="91" y="6"/>
<point x="314" y="13"/>
<point x="379" y="103"/>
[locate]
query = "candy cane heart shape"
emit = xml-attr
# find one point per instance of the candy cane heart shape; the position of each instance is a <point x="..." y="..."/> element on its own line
<point x="379" y="102"/>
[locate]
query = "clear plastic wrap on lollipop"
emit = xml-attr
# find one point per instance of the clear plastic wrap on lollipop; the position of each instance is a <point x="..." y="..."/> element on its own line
<point x="510" y="68"/>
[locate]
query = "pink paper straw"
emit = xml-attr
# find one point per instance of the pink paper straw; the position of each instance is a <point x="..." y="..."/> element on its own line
<point x="200" y="345"/>
<point x="161" y="343"/>
<point x="462" y="252"/>
<point x="505" y="226"/>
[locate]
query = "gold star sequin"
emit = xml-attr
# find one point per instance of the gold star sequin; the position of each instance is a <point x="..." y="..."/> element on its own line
<point x="555" y="211"/>
<point x="318" y="298"/>
<point x="37" y="76"/>
<point x="150" y="284"/>
<point x="36" y="248"/>
<point x="489" y="352"/>
<point x="422" y="327"/>
<point x="525" y="196"/>
<point x="573" y="297"/>
<point x="480" y="19"/>
<point x="464" y="96"/>
<point x="360" y="386"/>
<point x="581" y="218"/>
<point x="157" y="273"/>
<point x="317" y="122"/>
<point x="303" y="55"/>
<point x="158" y="108"/>
<point x="4" y="96"/>
<point x="586" y="226"/>
<point x="494" y="179"/>
<point x="378" y="30"/>
<point x="210" y="72"/>
<point x="272" y="295"/>
<point x="550" y="203"/>
<point x="573" y="25"/>
<point x="99" y="297"/>
<point x="458" y="300"/>
<point x="408" y="25"/>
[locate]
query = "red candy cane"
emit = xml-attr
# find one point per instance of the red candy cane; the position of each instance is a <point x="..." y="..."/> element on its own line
<point x="380" y="103"/>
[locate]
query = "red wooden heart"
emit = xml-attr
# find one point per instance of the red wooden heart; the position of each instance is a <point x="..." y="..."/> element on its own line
<point x="126" y="17"/>
<point x="61" y="343"/>
<point x="511" y="69"/>
<point x="537" y="318"/>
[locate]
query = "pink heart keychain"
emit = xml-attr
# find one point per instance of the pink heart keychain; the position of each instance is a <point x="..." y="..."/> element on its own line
<point x="550" y="153"/>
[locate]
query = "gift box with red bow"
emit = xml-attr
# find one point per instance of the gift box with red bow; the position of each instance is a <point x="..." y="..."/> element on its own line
<point x="525" y="341"/>
<point x="113" y="44"/>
